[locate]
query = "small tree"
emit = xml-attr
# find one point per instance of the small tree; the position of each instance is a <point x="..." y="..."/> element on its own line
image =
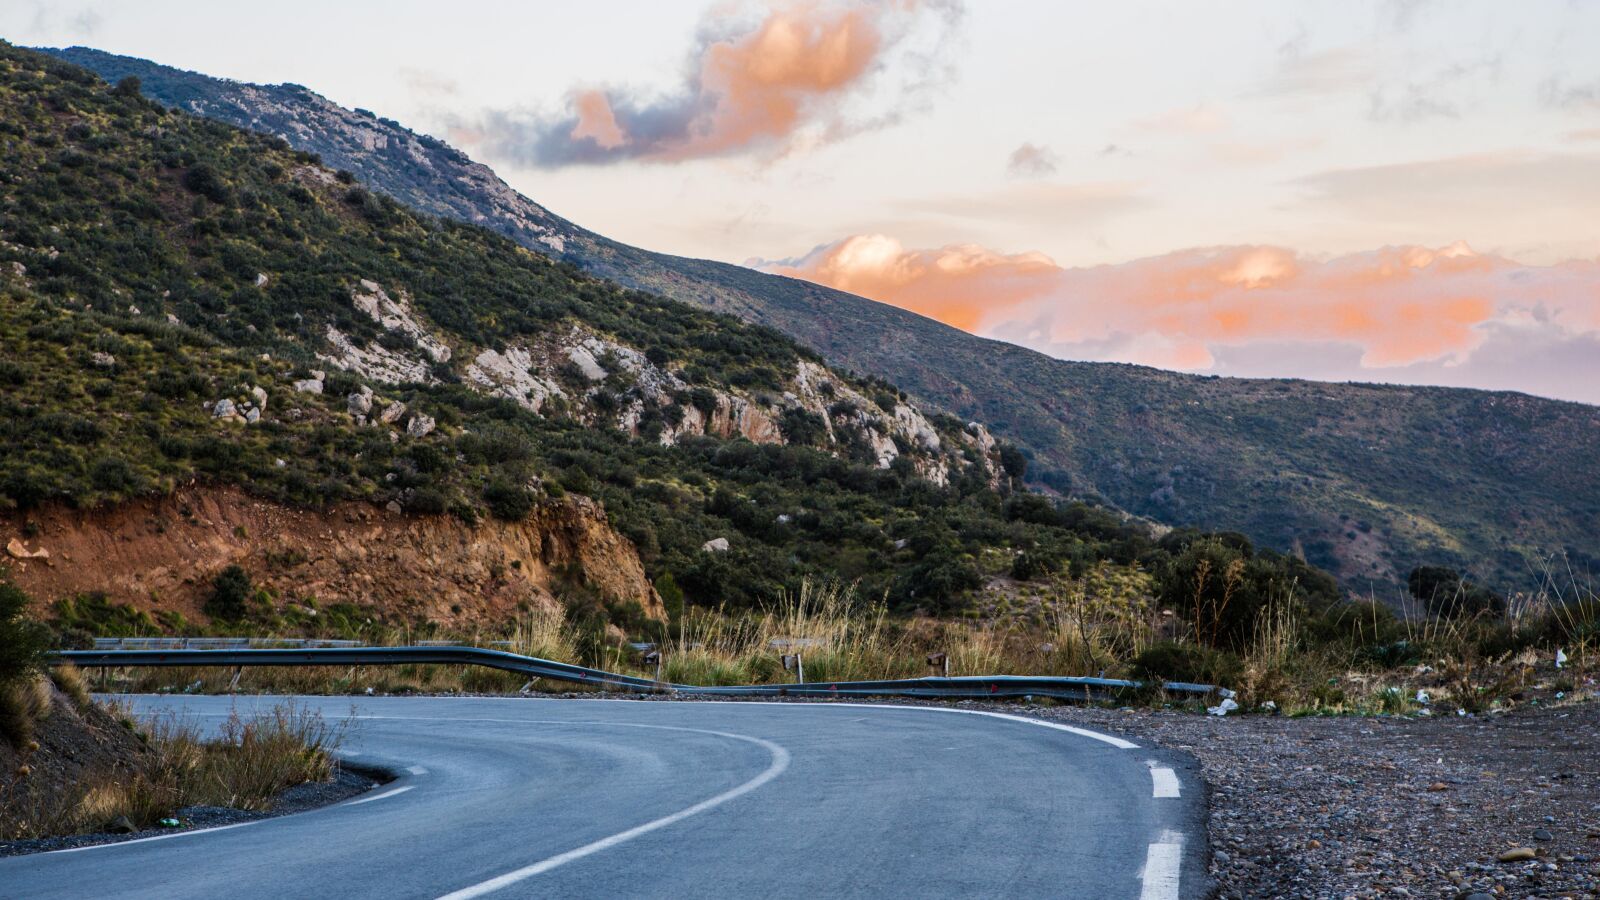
<point x="230" y="595"/>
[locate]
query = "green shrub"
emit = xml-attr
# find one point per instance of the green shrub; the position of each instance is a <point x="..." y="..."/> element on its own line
<point x="1191" y="663"/>
<point x="23" y="645"/>
<point x="230" y="595"/>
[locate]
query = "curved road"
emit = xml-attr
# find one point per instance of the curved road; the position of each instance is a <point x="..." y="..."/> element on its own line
<point x="606" y="798"/>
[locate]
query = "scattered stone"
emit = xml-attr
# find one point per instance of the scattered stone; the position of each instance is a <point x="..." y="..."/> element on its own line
<point x="120" y="825"/>
<point x="19" y="550"/>
<point x="173" y="320"/>
<point x="393" y="506"/>
<point x="420" y="426"/>
<point x="1438" y="786"/>
<point x="261" y="279"/>
<point x="715" y="545"/>
<point x="309" y="385"/>
<point x="259" y="395"/>
<point x="18" y="269"/>
<point x="392" y="413"/>
<point x="360" y="402"/>
<point x="252" y="415"/>
<point x="102" y="360"/>
<point x="223" y="409"/>
<point x="1543" y="834"/>
<point x="1517" y="854"/>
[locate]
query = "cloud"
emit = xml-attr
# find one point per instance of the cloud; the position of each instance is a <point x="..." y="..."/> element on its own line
<point x="1029" y="161"/>
<point x="752" y="84"/>
<point x="1396" y="311"/>
<point x="1330" y="71"/>
<point x="1042" y="203"/>
<point x="1202" y="119"/>
<point x="1558" y="93"/>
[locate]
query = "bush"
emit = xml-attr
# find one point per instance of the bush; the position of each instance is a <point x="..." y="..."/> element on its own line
<point x="1448" y="595"/>
<point x="1192" y="663"/>
<point x="507" y="501"/>
<point x="22" y="657"/>
<point x="230" y="595"/>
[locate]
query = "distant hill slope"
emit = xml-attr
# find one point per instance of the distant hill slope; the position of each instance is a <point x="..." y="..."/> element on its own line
<point x="183" y="302"/>
<point x="1367" y="480"/>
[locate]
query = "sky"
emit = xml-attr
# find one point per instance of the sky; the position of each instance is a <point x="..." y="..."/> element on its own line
<point x="1397" y="190"/>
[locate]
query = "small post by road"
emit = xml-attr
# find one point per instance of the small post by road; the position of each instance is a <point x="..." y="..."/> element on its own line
<point x="793" y="663"/>
<point x="940" y="661"/>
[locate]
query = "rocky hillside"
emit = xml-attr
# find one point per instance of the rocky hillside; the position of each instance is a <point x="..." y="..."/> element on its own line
<point x="156" y="553"/>
<point x="1367" y="480"/>
<point x="187" y="303"/>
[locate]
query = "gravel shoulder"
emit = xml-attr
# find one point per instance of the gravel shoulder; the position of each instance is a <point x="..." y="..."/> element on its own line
<point x="1389" y="806"/>
<point x="347" y="782"/>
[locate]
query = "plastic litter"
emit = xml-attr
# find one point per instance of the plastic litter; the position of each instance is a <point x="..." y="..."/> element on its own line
<point x="1221" y="709"/>
<point x="1422" y="696"/>
<point x="170" y="823"/>
<point x="1561" y="658"/>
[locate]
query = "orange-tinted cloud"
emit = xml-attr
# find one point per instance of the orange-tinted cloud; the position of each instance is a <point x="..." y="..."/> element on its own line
<point x="1398" y="306"/>
<point x="750" y="84"/>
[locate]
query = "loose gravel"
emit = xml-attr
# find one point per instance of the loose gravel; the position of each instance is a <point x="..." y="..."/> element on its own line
<point x="1390" y="806"/>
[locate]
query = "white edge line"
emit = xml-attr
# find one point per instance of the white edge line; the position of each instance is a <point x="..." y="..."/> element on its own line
<point x="1164" y="781"/>
<point x="780" y="762"/>
<point x="1114" y="741"/>
<point x="368" y="799"/>
<point x="158" y="837"/>
<point x="1117" y="742"/>
<point x="1163" y="867"/>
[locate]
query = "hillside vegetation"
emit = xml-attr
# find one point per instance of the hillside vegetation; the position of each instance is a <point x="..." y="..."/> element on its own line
<point x="181" y="300"/>
<point x="1366" y="480"/>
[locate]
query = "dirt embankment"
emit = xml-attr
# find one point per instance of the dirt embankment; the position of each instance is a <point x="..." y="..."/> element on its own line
<point x="162" y="554"/>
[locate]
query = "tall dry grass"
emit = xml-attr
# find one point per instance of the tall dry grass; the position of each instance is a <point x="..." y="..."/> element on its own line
<point x="244" y="765"/>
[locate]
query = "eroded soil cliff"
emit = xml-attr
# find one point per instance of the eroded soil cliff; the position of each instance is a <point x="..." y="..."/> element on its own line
<point x="162" y="554"/>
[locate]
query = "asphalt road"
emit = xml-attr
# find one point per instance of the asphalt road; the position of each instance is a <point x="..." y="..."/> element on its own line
<point x="593" y="798"/>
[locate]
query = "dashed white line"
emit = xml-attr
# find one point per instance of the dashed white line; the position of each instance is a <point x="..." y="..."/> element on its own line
<point x="361" y="800"/>
<point x="1163" y="863"/>
<point x="780" y="762"/>
<point x="1164" y="780"/>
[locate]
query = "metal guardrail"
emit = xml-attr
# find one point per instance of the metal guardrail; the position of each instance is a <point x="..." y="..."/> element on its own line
<point x="216" y="643"/>
<point x="966" y="686"/>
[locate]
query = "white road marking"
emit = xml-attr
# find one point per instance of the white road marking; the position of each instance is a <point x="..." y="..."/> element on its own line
<point x="1164" y="779"/>
<point x="159" y="837"/>
<point x="1163" y="863"/>
<point x="780" y="762"/>
<point x="417" y="770"/>
<point x="360" y="800"/>
<point x="1117" y="742"/>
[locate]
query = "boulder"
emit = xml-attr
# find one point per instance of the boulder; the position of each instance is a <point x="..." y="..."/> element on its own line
<point x="309" y="386"/>
<point x="715" y="545"/>
<point x="419" y="426"/>
<point x="360" y="402"/>
<point x="261" y="279"/>
<point x="224" y="408"/>
<point x="259" y="395"/>
<point x="392" y="413"/>
<point x="102" y="360"/>
<point x="19" y="550"/>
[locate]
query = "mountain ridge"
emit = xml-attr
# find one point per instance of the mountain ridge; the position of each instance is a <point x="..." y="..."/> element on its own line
<point x="1367" y="480"/>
